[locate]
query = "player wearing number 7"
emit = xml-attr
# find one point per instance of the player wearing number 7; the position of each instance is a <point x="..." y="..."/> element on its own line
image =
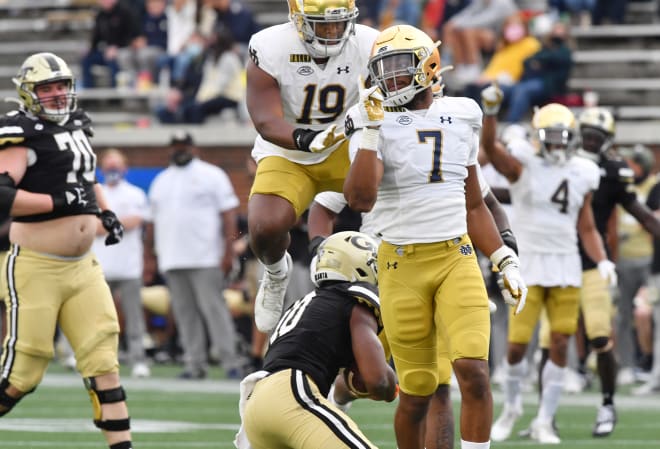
<point x="551" y="191"/>
<point x="414" y="167"/>
<point x="301" y="78"/>
<point x="50" y="277"/>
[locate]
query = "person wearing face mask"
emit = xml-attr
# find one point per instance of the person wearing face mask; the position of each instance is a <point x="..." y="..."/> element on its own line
<point x="193" y="206"/>
<point x="506" y="65"/>
<point x="545" y="75"/>
<point x="122" y="264"/>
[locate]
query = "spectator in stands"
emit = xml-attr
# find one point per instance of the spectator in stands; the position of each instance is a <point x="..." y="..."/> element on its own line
<point x="180" y="28"/>
<point x="213" y="83"/>
<point x="612" y="12"/>
<point x="140" y="59"/>
<point x="123" y="264"/>
<point x="545" y="75"/>
<point x="506" y="65"/>
<point x="435" y="14"/>
<point x="471" y="32"/>
<point x="115" y="28"/>
<point x="193" y="207"/>
<point x="235" y="16"/>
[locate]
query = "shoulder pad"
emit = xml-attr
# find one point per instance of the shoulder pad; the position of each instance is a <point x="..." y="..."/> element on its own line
<point x="15" y="128"/>
<point x="80" y="120"/>
<point x="367" y="294"/>
<point x="618" y="170"/>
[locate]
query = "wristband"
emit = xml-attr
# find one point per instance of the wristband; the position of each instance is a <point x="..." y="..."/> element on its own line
<point x="369" y="139"/>
<point x="502" y="257"/>
<point x="303" y="137"/>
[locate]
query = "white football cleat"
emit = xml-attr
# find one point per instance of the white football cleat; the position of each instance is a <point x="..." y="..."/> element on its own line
<point x="503" y="427"/>
<point x="605" y="421"/>
<point x="270" y="298"/>
<point x="140" y="370"/>
<point x="543" y="432"/>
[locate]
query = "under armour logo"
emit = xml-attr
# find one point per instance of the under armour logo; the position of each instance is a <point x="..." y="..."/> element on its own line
<point x="339" y="70"/>
<point x="392" y="265"/>
<point x="465" y="250"/>
<point x="253" y="55"/>
<point x="445" y="119"/>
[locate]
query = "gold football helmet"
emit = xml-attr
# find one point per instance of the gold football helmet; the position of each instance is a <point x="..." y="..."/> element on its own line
<point x="346" y="256"/>
<point x="43" y="68"/>
<point x="597" y="131"/>
<point x="307" y="15"/>
<point x="555" y="130"/>
<point x="404" y="61"/>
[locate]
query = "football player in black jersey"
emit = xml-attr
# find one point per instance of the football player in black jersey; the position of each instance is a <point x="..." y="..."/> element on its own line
<point x="50" y="277"/>
<point x="597" y="128"/>
<point x="333" y="327"/>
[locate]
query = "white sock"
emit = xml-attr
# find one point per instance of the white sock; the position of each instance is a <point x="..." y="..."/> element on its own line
<point x="512" y="383"/>
<point x="279" y="268"/>
<point x="471" y="445"/>
<point x="553" y="383"/>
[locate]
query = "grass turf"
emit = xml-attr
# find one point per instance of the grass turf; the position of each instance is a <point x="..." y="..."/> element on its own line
<point x="168" y="413"/>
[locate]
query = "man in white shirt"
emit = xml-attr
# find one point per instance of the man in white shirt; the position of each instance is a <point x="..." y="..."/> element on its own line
<point x="193" y="206"/>
<point x="122" y="264"/>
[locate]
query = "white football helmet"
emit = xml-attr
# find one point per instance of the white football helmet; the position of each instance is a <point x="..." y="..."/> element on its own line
<point x="555" y="130"/>
<point x="597" y="131"/>
<point x="306" y="15"/>
<point x="403" y="51"/>
<point x="43" y="68"/>
<point x="346" y="256"/>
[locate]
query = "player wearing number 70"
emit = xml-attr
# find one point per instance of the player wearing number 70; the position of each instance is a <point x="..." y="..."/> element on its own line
<point x="301" y="78"/>
<point x="50" y="277"/>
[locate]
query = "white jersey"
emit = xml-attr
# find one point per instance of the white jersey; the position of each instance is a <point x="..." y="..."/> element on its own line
<point x="313" y="97"/>
<point x="421" y="197"/>
<point x="547" y="199"/>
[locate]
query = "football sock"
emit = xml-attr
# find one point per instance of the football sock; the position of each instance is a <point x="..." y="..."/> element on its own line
<point x="471" y="445"/>
<point x="278" y="268"/>
<point x="512" y="383"/>
<point x="122" y="445"/>
<point x="553" y="383"/>
<point x="607" y="375"/>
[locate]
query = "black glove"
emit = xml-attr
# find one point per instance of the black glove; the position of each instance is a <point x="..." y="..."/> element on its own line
<point x="509" y="240"/>
<point x="114" y="227"/>
<point x="74" y="198"/>
<point x="303" y="137"/>
<point x="314" y="245"/>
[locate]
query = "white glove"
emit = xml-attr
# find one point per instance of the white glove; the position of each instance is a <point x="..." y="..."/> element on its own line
<point x="491" y="99"/>
<point x="326" y="139"/>
<point x="370" y="105"/>
<point x="607" y="270"/>
<point x="508" y="264"/>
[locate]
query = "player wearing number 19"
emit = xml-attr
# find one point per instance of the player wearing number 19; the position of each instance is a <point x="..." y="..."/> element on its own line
<point x="50" y="277"/>
<point x="301" y="78"/>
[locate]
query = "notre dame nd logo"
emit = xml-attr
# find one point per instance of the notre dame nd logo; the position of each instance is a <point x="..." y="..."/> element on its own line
<point x="465" y="250"/>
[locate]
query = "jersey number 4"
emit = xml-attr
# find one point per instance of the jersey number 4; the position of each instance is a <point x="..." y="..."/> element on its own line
<point x="561" y="196"/>
<point x="84" y="159"/>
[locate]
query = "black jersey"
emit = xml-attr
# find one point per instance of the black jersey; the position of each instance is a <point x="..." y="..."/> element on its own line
<point x="653" y="203"/>
<point x="59" y="157"/>
<point x="616" y="187"/>
<point x="314" y="334"/>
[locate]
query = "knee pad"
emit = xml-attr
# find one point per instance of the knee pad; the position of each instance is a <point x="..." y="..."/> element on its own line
<point x="110" y="396"/>
<point x="6" y="401"/>
<point x="601" y="344"/>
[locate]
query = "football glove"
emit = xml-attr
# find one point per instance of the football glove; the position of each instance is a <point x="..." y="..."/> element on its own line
<point x="74" y="198"/>
<point x="491" y="99"/>
<point x="311" y="141"/>
<point x="370" y="105"/>
<point x="114" y="227"/>
<point x="607" y="270"/>
<point x="514" y="287"/>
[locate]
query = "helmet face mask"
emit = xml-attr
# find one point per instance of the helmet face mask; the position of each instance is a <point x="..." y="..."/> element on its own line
<point x="404" y="61"/>
<point x="324" y="26"/>
<point x="348" y="256"/>
<point x="556" y="133"/>
<point x="46" y="69"/>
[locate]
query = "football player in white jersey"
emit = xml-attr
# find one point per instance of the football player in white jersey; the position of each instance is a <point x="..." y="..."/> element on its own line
<point x="301" y="78"/>
<point x="414" y="167"/>
<point x="551" y="195"/>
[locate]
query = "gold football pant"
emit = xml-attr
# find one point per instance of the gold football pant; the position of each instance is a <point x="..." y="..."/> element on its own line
<point x="287" y="411"/>
<point x="43" y="291"/>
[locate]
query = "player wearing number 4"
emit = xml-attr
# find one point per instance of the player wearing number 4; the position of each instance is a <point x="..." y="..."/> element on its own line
<point x="301" y="78"/>
<point x="414" y="166"/>
<point x="333" y="327"/>
<point x="551" y="192"/>
<point x="50" y="277"/>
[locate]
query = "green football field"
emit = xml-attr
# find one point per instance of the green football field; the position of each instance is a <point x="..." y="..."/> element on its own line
<point x="169" y="413"/>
